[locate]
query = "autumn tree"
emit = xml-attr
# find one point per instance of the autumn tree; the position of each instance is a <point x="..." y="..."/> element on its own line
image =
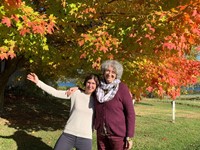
<point x="22" y="38"/>
<point x="153" y="39"/>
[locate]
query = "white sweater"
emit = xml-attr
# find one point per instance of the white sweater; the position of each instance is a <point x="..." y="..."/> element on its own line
<point x="81" y="112"/>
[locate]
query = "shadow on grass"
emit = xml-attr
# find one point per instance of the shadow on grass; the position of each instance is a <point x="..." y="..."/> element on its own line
<point x="145" y="104"/>
<point x="26" y="141"/>
<point x="193" y="146"/>
<point x="33" y="114"/>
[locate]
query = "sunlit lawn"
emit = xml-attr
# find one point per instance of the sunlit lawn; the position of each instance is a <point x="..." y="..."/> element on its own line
<point x="37" y="124"/>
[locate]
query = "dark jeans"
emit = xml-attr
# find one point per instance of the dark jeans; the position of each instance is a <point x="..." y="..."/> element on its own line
<point x="68" y="141"/>
<point x="110" y="142"/>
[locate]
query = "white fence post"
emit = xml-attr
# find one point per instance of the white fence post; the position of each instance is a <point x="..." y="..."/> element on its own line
<point x="173" y="111"/>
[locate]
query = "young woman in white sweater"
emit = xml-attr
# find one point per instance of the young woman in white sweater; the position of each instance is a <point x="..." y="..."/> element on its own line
<point x="78" y="129"/>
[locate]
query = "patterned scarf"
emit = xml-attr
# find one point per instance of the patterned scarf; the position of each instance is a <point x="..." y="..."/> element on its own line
<point x="106" y="92"/>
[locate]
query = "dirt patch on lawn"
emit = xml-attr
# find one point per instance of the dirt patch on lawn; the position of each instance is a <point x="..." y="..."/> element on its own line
<point x="188" y="114"/>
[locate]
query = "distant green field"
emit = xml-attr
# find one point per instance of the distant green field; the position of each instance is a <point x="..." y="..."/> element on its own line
<point x="37" y="124"/>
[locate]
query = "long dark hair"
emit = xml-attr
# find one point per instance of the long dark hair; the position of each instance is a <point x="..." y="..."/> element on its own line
<point x="92" y="76"/>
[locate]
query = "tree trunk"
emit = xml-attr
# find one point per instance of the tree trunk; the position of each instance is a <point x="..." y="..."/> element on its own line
<point x="2" y="89"/>
<point x="7" y="68"/>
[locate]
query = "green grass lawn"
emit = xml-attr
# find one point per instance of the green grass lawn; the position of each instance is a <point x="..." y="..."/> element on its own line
<point x="155" y="130"/>
<point x="32" y="124"/>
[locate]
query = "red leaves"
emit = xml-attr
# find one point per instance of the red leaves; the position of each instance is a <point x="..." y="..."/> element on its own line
<point x="182" y="7"/>
<point x="83" y="55"/>
<point x="191" y="40"/>
<point x="164" y="38"/>
<point x="13" y="3"/>
<point x="22" y="21"/>
<point x="169" y="46"/>
<point x="15" y="17"/>
<point x="23" y="31"/>
<point x="7" y="55"/>
<point x="6" y="21"/>
<point x="38" y="29"/>
<point x="27" y="25"/>
<point x="4" y="54"/>
<point x="198" y="48"/>
<point x="151" y="28"/>
<point x="26" y="20"/>
<point x="97" y="43"/>
<point x="103" y="48"/>
<point x="97" y="64"/>
<point x="150" y="89"/>
<point x="171" y="76"/>
<point x="197" y="18"/>
<point x="50" y="28"/>
<point x="81" y="42"/>
<point x="11" y="54"/>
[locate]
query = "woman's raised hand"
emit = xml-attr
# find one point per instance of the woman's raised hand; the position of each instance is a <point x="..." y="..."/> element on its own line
<point x="33" y="77"/>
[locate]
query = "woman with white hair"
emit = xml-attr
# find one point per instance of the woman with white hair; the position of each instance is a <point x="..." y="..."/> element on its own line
<point x="114" y="111"/>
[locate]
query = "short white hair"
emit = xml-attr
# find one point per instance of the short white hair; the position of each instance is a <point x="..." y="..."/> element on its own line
<point x="115" y="64"/>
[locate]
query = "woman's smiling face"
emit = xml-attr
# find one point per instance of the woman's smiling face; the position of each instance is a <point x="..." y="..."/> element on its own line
<point x="90" y="86"/>
<point x="110" y="74"/>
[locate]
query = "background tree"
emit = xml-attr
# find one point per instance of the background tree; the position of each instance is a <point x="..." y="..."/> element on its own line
<point x="153" y="39"/>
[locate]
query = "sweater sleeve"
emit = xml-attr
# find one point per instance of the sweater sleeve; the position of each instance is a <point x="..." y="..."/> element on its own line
<point x="129" y="112"/>
<point x="52" y="91"/>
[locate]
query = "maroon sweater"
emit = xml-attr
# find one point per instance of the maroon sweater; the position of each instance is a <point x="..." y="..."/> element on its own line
<point x="118" y="114"/>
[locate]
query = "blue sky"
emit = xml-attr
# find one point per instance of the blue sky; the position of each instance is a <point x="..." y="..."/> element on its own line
<point x="198" y="57"/>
